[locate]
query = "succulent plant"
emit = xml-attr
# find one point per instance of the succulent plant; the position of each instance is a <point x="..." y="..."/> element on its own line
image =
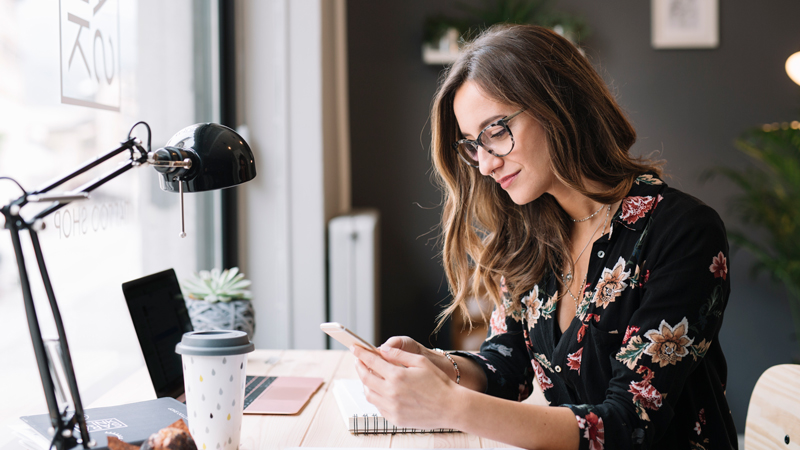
<point x="217" y="286"/>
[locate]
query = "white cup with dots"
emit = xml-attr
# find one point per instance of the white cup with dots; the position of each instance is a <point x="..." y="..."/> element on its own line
<point x="214" y="366"/>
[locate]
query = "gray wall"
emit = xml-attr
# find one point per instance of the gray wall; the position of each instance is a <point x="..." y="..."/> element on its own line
<point x="687" y="104"/>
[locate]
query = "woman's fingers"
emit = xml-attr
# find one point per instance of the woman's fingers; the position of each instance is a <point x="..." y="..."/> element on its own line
<point x="403" y="358"/>
<point x="372" y="360"/>
<point x="366" y="373"/>
<point x="404" y="343"/>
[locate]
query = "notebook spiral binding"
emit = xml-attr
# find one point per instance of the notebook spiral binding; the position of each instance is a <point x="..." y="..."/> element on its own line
<point x="374" y="424"/>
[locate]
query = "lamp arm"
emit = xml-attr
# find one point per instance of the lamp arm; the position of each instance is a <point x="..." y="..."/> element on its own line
<point x="56" y="421"/>
<point x="128" y="145"/>
<point x="89" y="187"/>
<point x="66" y="358"/>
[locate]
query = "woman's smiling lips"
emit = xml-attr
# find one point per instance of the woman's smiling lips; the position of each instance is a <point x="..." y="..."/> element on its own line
<point x="506" y="181"/>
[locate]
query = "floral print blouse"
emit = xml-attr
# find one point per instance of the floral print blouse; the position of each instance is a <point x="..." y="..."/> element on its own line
<point x="640" y="365"/>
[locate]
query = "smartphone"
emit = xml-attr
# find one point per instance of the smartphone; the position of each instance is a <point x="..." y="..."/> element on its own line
<point x="345" y="336"/>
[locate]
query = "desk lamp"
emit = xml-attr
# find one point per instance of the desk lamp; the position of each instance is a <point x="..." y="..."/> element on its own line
<point x="200" y="157"/>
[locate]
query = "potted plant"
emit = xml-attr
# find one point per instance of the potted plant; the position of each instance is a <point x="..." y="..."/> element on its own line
<point x="442" y="35"/>
<point x="219" y="300"/>
<point x="769" y="203"/>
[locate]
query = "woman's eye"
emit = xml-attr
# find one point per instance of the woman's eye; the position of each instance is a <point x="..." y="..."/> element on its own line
<point x="497" y="132"/>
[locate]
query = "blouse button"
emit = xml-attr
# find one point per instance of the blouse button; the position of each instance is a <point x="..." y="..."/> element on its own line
<point x="558" y="369"/>
<point x="601" y="254"/>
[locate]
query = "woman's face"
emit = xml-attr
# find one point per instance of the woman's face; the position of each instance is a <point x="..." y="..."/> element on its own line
<point x="524" y="173"/>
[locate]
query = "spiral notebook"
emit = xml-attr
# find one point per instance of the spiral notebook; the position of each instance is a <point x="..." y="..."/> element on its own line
<point x="362" y="417"/>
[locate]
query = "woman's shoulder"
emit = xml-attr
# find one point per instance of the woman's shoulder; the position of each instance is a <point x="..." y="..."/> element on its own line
<point x="676" y="206"/>
<point x="679" y="218"/>
<point x="652" y="207"/>
<point x="666" y="201"/>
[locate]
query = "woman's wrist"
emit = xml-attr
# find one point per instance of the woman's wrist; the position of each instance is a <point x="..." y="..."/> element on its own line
<point x="455" y="370"/>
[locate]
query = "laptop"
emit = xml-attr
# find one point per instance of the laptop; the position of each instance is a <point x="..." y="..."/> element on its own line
<point x="160" y="318"/>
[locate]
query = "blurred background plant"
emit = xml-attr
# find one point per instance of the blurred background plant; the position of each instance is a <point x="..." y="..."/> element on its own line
<point x="538" y="12"/>
<point x="769" y="205"/>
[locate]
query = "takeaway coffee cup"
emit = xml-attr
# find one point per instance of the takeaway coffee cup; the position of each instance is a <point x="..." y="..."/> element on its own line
<point x="214" y="366"/>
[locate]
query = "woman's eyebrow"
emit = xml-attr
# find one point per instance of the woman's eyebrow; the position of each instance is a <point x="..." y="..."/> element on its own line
<point x="484" y="124"/>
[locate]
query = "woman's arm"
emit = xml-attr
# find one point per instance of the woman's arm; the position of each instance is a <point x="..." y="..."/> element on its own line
<point x="411" y="391"/>
<point x="472" y="375"/>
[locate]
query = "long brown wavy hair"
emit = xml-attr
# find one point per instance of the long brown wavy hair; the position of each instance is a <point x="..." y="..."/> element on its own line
<point x="485" y="234"/>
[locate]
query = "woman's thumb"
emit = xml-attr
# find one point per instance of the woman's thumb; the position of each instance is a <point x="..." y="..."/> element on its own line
<point x="403" y="343"/>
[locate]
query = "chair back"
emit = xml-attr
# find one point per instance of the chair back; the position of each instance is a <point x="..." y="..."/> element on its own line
<point x="773" y="417"/>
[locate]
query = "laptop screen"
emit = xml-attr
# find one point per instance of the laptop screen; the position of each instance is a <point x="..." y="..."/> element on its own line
<point x="160" y="318"/>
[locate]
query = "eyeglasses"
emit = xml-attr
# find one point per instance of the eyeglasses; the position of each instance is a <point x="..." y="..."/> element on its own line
<point x="496" y="139"/>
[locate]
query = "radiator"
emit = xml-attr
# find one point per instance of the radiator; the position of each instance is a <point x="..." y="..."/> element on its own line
<point x="353" y="276"/>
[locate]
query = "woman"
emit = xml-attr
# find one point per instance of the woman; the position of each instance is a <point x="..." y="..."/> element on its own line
<point x="609" y="286"/>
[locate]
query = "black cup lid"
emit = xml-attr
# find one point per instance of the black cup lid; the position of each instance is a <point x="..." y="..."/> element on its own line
<point x="214" y="343"/>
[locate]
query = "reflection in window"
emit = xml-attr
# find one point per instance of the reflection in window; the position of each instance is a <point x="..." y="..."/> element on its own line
<point x="129" y="227"/>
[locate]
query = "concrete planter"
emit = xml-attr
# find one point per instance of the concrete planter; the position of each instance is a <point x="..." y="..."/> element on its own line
<point x="232" y="315"/>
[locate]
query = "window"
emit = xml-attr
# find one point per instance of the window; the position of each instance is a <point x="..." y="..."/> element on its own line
<point x="75" y="75"/>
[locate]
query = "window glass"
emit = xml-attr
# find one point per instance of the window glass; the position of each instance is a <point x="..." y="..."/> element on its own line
<point x="75" y="75"/>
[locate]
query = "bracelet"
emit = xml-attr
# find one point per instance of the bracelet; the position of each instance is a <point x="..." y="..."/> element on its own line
<point x="455" y="365"/>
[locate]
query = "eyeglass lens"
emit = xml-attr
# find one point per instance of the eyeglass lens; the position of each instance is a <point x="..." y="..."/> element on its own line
<point x="495" y="139"/>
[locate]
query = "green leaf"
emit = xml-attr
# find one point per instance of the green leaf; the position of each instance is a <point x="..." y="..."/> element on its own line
<point x="768" y="204"/>
<point x="630" y="355"/>
<point x="543" y="361"/>
<point x="699" y="351"/>
<point x="217" y="285"/>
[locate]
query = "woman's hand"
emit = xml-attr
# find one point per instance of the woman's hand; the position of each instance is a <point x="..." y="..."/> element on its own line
<point x="405" y="386"/>
<point x="406" y="344"/>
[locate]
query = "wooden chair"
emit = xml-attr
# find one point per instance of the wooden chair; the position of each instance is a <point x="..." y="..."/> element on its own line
<point x="773" y="418"/>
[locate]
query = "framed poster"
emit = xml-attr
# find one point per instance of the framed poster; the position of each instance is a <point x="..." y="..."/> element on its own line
<point x="684" y="23"/>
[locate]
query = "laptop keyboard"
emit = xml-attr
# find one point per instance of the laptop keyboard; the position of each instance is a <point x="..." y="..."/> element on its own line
<point x="254" y="387"/>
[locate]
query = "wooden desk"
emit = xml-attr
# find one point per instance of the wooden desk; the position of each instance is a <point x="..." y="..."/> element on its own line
<point x="320" y="424"/>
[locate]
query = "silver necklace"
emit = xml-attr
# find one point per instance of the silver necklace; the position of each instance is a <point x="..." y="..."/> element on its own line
<point x="567" y="279"/>
<point x="589" y="216"/>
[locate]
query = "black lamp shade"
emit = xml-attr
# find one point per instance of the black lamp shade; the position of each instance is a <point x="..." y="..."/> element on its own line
<point x="220" y="158"/>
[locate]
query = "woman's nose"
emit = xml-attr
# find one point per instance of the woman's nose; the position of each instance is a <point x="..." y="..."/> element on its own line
<point x="487" y="162"/>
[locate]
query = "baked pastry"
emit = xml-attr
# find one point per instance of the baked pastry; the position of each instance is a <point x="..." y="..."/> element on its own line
<point x="173" y="437"/>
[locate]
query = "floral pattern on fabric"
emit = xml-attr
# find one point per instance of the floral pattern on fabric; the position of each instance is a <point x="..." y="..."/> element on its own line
<point x="630" y="354"/>
<point x="538" y="361"/>
<point x="668" y="345"/>
<point x="585" y="325"/>
<point x="719" y="266"/>
<point x="645" y="396"/>
<point x="593" y="430"/>
<point x="549" y="308"/>
<point x="639" y="279"/>
<point x="583" y="306"/>
<point x="497" y="323"/>
<point x="640" y="354"/>
<point x="533" y="307"/>
<point x="630" y="331"/>
<point x="649" y="179"/>
<point x="699" y="351"/>
<point x="634" y="208"/>
<point x="611" y="284"/>
<point x="574" y="360"/>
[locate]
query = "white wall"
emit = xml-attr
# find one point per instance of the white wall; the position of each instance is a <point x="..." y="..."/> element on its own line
<point x="280" y="92"/>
